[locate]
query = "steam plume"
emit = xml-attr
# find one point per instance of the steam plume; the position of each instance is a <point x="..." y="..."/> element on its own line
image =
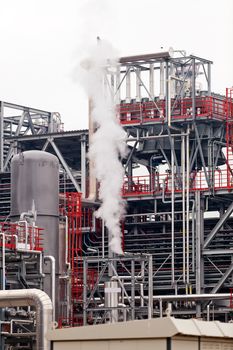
<point x="108" y="143"/>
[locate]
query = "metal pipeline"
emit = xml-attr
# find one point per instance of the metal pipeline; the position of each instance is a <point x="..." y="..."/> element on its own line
<point x="103" y="239"/>
<point x="172" y="217"/>
<point x="161" y="92"/>
<point x="53" y="278"/>
<point x="128" y="86"/>
<point x="3" y="261"/>
<point x="183" y="200"/>
<point x="43" y="305"/>
<point x="66" y="242"/>
<point x="92" y="179"/>
<point x="187" y="206"/>
<point x="151" y="79"/>
<point x="192" y="297"/>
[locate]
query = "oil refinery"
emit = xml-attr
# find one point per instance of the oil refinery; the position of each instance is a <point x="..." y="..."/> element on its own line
<point x="59" y="270"/>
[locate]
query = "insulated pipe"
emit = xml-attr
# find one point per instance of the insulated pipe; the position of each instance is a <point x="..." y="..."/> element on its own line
<point x="173" y="218"/>
<point x="103" y="239"/>
<point x="66" y="242"/>
<point x="118" y="83"/>
<point x="183" y="201"/>
<point x="152" y="89"/>
<point x="128" y="87"/>
<point x="161" y="94"/>
<point x="169" y="103"/>
<point x="3" y="261"/>
<point x="43" y="305"/>
<point x="172" y="81"/>
<point x="187" y="205"/>
<point x="53" y="278"/>
<point x="138" y="85"/>
<point x="92" y="178"/>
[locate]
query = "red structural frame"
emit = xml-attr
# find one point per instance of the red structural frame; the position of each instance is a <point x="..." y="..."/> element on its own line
<point x="74" y="214"/>
<point x="78" y="218"/>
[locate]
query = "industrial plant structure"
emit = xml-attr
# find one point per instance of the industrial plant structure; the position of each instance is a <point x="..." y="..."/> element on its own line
<point x="177" y="233"/>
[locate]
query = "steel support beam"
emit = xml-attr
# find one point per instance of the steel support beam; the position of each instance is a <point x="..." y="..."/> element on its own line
<point x="10" y="150"/>
<point x="217" y="227"/>
<point x="64" y="164"/>
<point x="222" y="280"/>
<point x="201" y="154"/>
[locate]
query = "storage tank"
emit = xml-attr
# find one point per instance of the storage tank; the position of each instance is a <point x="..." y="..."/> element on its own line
<point x="35" y="181"/>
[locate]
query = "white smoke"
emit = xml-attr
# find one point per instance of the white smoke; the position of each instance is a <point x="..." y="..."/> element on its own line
<point x="108" y="144"/>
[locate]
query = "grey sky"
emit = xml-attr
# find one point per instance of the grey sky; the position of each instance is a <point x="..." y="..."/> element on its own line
<point x="43" y="40"/>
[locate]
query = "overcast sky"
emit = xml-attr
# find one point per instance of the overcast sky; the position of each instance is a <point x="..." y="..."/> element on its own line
<point x="43" y="40"/>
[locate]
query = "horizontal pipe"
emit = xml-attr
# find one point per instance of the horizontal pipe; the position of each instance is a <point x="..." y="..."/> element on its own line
<point x="220" y="296"/>
<point x="152" y="137"/>
<point x="43" y="305"/>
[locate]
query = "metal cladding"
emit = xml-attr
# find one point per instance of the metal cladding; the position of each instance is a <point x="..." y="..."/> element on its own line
<point x="35" y="177"/>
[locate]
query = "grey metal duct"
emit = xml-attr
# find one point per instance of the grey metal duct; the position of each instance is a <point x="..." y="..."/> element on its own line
<point x="43" y="305"/>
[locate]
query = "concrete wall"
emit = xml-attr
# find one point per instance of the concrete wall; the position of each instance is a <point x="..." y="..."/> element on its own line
<point x="138" y="344"/>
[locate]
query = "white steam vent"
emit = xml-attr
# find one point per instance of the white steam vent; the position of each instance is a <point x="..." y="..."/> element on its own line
<point x="108" y="144"/>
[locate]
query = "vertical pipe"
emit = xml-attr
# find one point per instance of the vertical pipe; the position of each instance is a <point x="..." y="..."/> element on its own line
<point x="103" y="238"/>
<point x="183" y="202"/>
<point x="199" y="242"/>
<point x="208" y="312"/>
<point x="92" y="178"/>
<point x="138" y="84"/>
<point x="1" y="136"/>
<point x="152" y="89"/>
<point x="150" y="287"/>
<point x="209" y="79"/>
<point x="3" y="261"/>
<point x="169" y="103"/>
<point x="167" y="92"/>
<point x="132" y="290"/>
<point x="187" y="204"/>
<point x="161" y="93"/>
<point x="83" y="166"/>
<point x="84" y="292"/>
<point x="172" y="212"/>
<point x="128" y="86"/>
<point x="142" y="295"/>
<point x="53" y="279"/>
<point x="66" y="242"/>
<point x="118" y="89"/>
<point x="160" y="308"/>
<point x="193" y="237"/>
<point x="172" y="81"/>
<point x="193" y="89"/>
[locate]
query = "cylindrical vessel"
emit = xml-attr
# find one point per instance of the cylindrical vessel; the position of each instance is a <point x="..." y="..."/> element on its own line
<point x="35" y="177"/>
<point x="35" y="182"/>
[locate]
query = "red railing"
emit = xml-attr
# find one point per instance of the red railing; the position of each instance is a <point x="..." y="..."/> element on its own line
<point x="148" y="185"/>
<point x="206" y="107"/>
<point x="21" y="236"/>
